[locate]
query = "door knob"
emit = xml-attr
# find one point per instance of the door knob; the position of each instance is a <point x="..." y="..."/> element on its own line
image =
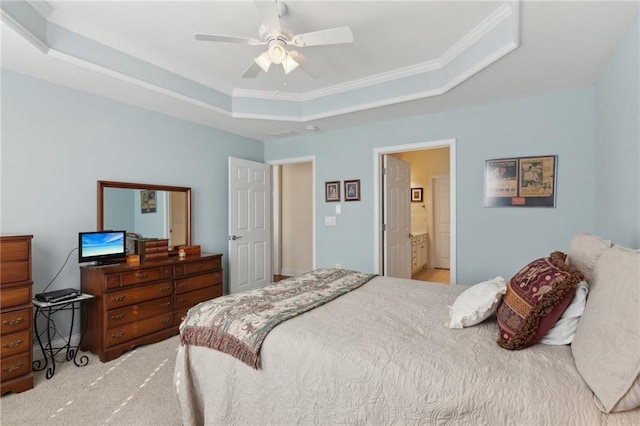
<point x="235" y="237"/>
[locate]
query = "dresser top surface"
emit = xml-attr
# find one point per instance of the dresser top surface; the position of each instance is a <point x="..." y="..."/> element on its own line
<point x="14" y="236"/>
<point x="169" y="261"/>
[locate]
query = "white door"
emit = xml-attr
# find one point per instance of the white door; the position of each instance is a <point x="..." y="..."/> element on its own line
<point x="441" y="222"/>
<point x="249" y="225"/>
<point x="396" y="217"/>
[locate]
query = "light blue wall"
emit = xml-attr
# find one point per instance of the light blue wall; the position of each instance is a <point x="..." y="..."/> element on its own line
<point x="618" y="147"/>
<point x="57" y="142"/>
<point x="490" y="241"/>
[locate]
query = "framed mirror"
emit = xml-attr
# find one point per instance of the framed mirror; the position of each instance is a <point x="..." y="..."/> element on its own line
<point x="151" y="211"/>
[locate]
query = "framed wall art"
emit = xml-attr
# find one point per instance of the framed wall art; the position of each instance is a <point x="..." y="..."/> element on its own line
<point x="332" y="191"/>
<point x="416" y="195"/>
<point x="147" y="201"/>
<point x="352" y="190"/>
<point x="520" y="182"/>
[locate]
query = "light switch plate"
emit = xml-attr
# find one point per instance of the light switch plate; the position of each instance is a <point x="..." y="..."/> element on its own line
<point x="330" y="220"/>
<point x="338" y="209"/>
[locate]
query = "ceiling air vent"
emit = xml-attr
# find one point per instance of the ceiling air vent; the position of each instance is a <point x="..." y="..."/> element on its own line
<point x="284" y="134"/>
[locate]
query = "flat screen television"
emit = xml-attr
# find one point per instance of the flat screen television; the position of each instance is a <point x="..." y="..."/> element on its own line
<point x="102" y="247"/>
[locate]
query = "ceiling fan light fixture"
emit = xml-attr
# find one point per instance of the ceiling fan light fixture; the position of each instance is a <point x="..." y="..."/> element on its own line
<point x="263" y="61"/>
<point x="277" y="53"/>
<point x="289" y="64"/>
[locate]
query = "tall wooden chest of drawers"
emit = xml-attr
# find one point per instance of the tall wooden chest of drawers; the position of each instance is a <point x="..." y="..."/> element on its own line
<point x="142" y="304"/>
<point x="16" y="313"/>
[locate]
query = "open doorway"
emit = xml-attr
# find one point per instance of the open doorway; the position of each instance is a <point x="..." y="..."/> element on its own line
<point x="293" y="217"/>
<point x="432" y="208"/>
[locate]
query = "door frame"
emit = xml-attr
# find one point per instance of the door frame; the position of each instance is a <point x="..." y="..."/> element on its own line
<point x="377" y="199"/>
<point x="275" y="243"/>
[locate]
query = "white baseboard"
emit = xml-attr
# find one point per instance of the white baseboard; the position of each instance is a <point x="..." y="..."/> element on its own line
<point x="58" y="343"/>
<point x="291" y="272"/>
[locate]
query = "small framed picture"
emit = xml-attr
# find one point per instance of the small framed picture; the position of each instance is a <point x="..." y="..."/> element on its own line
<point x="332" y="191"/>
<point x="352" y="190"/>
<point x="416" y="195"/>
<point x="147" y="202"/>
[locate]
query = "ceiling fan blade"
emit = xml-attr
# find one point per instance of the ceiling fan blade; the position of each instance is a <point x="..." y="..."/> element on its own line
<point x="268" y="11"/>
<point x="338" y="35"/>
<point x="229" y="39"/>
<point x="253" y="71"/>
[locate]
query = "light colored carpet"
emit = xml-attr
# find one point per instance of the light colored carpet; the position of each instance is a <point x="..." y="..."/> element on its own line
<point x="135" y="389"/>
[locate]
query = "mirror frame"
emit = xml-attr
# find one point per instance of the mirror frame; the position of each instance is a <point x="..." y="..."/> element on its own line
<point x="102" y="184"/>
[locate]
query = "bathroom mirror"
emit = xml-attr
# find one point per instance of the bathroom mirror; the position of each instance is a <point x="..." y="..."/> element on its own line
<point x="151" y="211"/>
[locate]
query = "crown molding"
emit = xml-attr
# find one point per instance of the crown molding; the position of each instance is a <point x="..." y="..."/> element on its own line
<point x="135" y="81"/>
<point x="23" y="32"/>
<point x="482" y="29"/>
<point x="494" y="56"/>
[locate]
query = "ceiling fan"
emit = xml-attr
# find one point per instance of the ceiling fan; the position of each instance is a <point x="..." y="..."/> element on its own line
<point x="275" y="34"/>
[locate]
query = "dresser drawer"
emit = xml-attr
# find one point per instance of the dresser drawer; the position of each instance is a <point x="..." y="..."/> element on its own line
<point x="201" y="266"/>
<point x="117" y="299"/>
<point x="187" y="300"/>
<point x="14" y="343"/>
<point x="141" y="276"/>
<point x="122" y="334"/>
<point x="118" y="317"/>
<point x="11" y="322"/>
<point x="181" y="312"/>
<point x="15" y="296"/>
<point x="112" y="281"/>
<point x="199" y="281"/>
<point x="14" y="272"/>
<point x="19" y="249"/>
<point x="15" y="366"/>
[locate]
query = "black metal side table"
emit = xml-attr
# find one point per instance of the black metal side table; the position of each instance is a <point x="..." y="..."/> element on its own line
<point x="47" y="310"/>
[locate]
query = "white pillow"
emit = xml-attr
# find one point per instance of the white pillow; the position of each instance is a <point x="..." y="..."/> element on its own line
<point x="584" y="251"/>
<point x="605" y="347"/>
<point x="477" y="303"/>
<point x="565" y="328"/>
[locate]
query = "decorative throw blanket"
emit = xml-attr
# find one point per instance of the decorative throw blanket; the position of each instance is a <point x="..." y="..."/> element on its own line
<point x="237" y="324"/>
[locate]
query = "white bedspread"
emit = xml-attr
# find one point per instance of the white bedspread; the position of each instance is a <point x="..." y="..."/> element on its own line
<point x="382" y="355"/>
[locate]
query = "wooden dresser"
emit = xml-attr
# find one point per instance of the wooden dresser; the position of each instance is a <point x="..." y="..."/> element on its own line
<point x="16" y="313"/>
<point x="143" y="304"/>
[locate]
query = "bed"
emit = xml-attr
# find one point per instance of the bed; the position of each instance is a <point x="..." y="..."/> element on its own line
<point x="381" y="354"/>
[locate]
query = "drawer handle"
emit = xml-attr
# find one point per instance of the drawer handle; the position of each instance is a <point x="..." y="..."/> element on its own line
<point x="165" y="321"/>
<point x="141" y="276"/>
<point x="182" y="285"/>
<point x="113" y="280"/>
<point x="199" y="265"/>
<point x="118" y="299"/>
<point x="117" y="317"/>
<point x="13" y="322"/>
<point x="13" y="367"/>
<point x="13" y="344"/>
<point x="165" y="289"/>
<point x="117" y="336"/>
<point x="181" y="300"/>
<point x="165" y="304"/>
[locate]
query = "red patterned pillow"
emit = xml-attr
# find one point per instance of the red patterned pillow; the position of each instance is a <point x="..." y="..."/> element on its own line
<point x="535" y="299"/>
